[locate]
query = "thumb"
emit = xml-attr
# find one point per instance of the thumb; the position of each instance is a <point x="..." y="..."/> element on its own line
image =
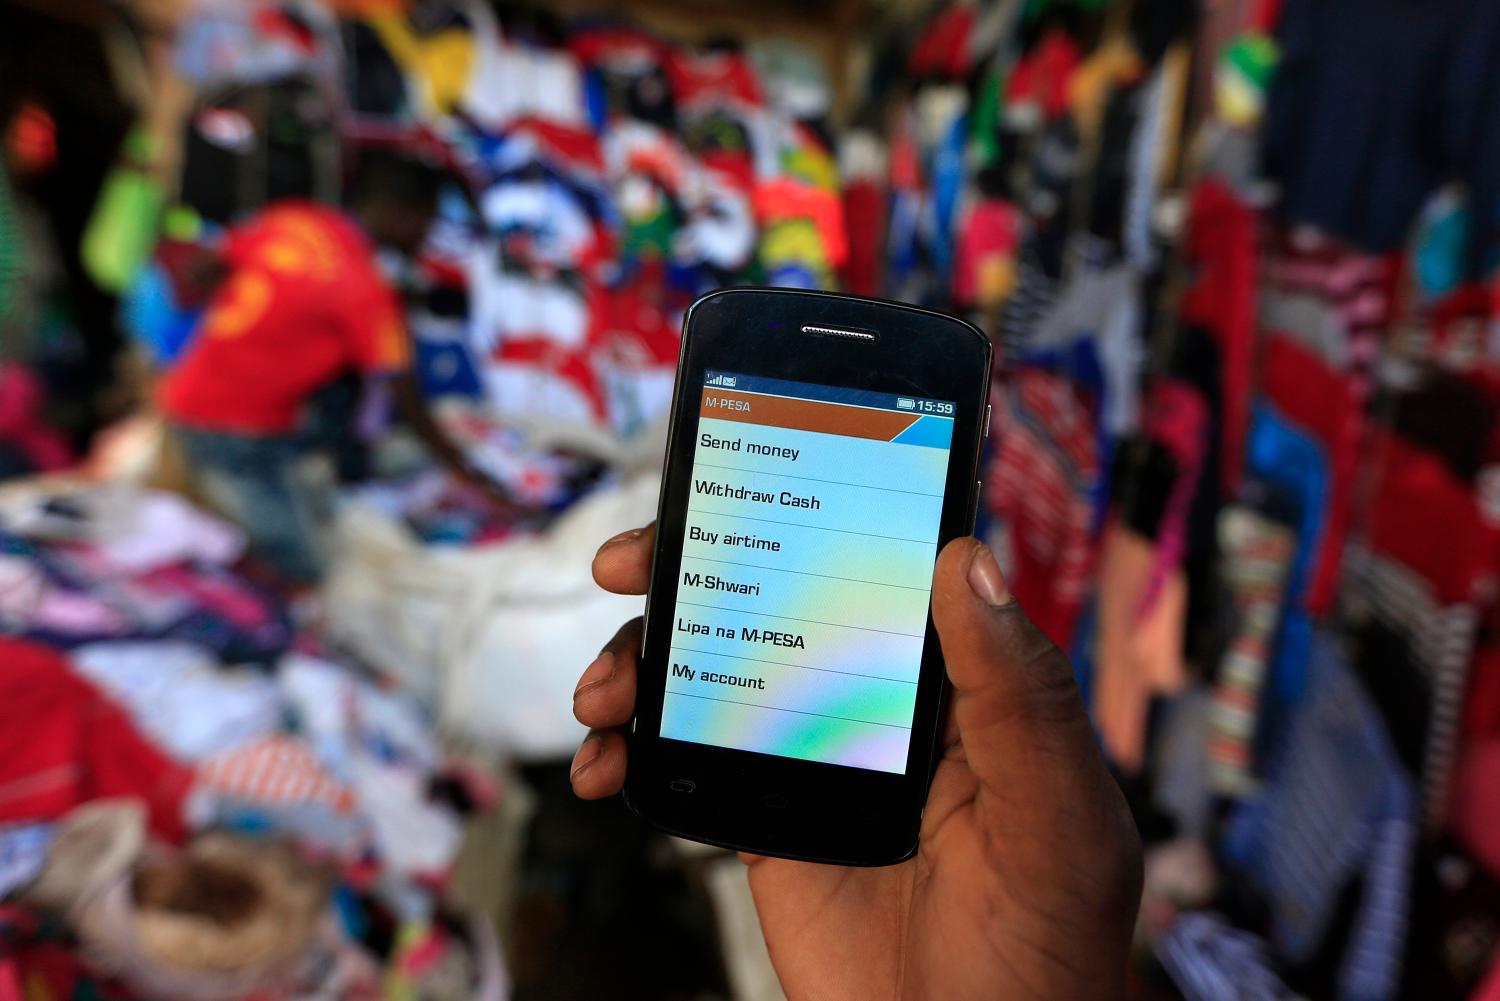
<point x="1015" y="702"/>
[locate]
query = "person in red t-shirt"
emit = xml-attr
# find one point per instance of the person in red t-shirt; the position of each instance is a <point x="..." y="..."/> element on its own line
<point x="301" y="305"/>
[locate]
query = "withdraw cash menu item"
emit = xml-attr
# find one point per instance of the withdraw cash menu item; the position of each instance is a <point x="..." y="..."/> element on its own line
<point x="812" y="528"/>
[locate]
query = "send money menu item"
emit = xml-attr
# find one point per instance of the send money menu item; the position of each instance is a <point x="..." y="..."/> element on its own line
<point x="812" y="528"/>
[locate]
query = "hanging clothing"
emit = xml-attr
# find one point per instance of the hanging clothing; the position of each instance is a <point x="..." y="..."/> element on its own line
<point x="1337" y="806"/>
<point x="1351" y="135"/>
<point x="1040" y="488"/>
<point x="1210" y="960"/>
<point x="1257" y="556"/>
<point x="1222" y="254"/>
<point x="1138" y="651"/>
<point x="439" y="62"/>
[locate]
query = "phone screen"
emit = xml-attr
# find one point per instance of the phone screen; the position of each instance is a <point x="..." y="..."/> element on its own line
<point x="812" y="528"/>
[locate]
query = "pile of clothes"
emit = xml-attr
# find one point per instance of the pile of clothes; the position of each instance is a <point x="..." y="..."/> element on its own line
<point x="200" y="800"/>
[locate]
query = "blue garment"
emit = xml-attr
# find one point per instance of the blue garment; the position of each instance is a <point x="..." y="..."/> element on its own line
<point x="949" y="173"/>
<point x="1209" y="960"/>
<point x="154" y="610"/>
<point x="904" y="271"/>
<point x="445" y="365"/>
<point x="1338" y="805"/>
<point x="150" y="313"/>
<point x="1285" y="458"/>
<point x="1356" y="112"/>
<point x="596" y="101"/>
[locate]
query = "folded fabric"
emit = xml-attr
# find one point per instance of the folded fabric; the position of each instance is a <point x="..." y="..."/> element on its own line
<point x="344" y="715"/>
<point x="127" y="530"/>
<point x="413" y="835"/>
<point x="23" y="852"/>
<point x="62" y="742"/>
<point x="178" y="695"/>
<point x="274" y="773"/>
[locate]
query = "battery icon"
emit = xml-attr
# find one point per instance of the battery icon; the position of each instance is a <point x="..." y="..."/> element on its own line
<point x="904" y="403"/>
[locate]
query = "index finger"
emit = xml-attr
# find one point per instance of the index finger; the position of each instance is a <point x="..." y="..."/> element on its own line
<point x="623" y="564"/>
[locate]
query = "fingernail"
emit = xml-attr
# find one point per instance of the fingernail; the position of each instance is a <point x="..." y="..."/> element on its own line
<point x="630" y="536"/>
<point x="985" y="579"/>
<point x="588" y="753"/>
<point x="600" y="671"/>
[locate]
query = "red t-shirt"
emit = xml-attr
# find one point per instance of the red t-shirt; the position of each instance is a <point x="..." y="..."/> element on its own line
<point x="304" y="302"/>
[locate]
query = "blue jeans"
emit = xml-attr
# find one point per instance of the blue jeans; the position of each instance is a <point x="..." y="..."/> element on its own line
<point x="253" y="480"/>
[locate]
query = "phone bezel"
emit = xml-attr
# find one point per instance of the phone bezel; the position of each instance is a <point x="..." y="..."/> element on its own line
<point x="762" y="803"/>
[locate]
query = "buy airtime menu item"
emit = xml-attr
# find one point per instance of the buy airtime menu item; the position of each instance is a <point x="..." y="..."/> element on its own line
<point x="812" y="527"/>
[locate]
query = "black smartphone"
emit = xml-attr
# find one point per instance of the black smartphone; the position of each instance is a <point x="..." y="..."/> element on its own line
<point x="822" y="450"/>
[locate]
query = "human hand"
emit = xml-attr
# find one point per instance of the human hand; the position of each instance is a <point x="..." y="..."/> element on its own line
<point x="1028" y="876"/>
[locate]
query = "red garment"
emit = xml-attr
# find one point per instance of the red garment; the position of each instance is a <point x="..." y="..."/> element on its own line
<point x="1042" y="75"/>
<point x="712" y="79"/>
<point x="991" y="232"/>
<point x="1040" y="484"/>
<point x="304" y="302"/>
<point x="275" y="772"/>
<point x="786" y="198"/>
<point x="1222" y="252"/>
<point x="568" y="146"/>
<point x="1326" y="405"/>
<point x="732" y="166"/>
<point x="942" y="48"/>
<point x="864" y="226"/>
<point x="21" y="424"/>
<point x="1177" y="418"/>
<point x="1424" y="518"/>
<point x="635" y="325"/>
<point x="1475" y="810"/>
<point x="1482" y="704"/>
<point x="63" y="742"/>
<point x="608" y="45"/>
<point x="1267" y="16"/>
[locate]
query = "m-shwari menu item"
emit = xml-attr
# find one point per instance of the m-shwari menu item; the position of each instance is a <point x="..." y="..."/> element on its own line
<point x="812" y="527"/>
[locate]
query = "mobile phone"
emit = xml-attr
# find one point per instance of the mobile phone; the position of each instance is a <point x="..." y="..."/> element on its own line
<point x="822" y="449"/>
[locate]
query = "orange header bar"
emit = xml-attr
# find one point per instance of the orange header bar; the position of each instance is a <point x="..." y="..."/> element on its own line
<point x="804" y="415"/>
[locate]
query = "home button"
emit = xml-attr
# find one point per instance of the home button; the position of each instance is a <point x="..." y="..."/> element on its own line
<point x="775" y="801"/>
<point x="682" y="785"/>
